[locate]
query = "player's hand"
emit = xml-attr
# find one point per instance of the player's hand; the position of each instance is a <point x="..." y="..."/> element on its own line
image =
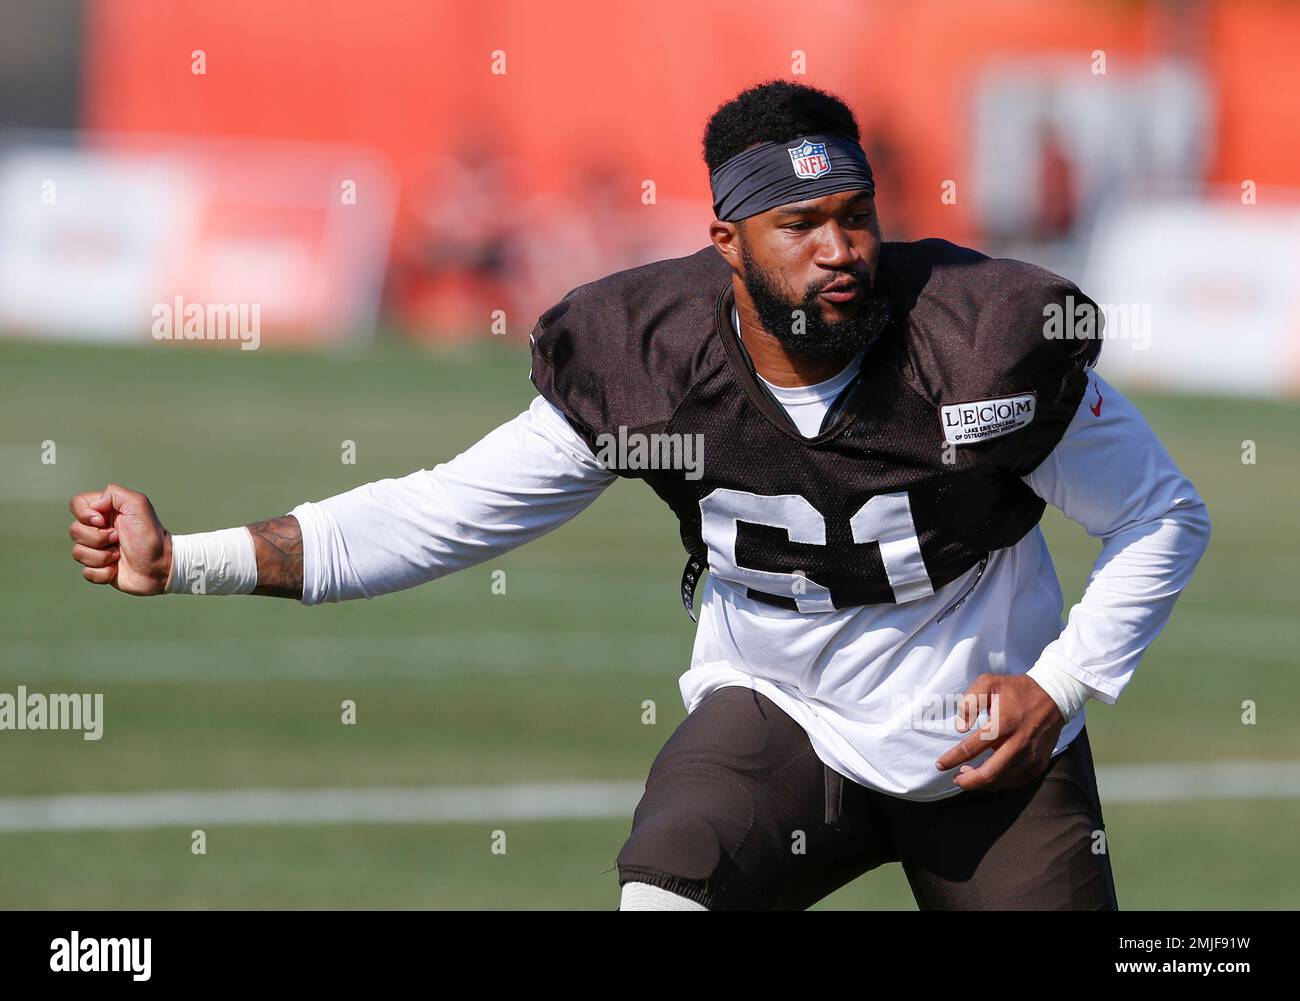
<point x="1023" y="726"/>
<point x="120" y="541"/>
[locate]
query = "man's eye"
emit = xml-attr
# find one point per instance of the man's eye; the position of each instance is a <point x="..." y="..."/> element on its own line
<point x="800" y="225"/>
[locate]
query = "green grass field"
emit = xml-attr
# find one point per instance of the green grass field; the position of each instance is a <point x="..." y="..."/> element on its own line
<point x="456" y="686"/>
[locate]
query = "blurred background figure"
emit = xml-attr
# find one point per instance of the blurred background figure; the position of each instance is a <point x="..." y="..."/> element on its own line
<point x="456" y="248"/>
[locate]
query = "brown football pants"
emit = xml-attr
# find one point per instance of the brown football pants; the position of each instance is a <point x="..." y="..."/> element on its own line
<point x="740" y="813"/>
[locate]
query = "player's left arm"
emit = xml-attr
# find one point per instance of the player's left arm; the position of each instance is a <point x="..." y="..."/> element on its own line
<point x="1110" y="474"/>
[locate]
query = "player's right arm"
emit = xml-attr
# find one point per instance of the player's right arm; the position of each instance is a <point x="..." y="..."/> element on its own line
<point x="523" y="479"/>
<point x="119" y="540"/>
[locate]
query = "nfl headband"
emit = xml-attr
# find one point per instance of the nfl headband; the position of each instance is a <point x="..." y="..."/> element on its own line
<point x="775" y="174"/>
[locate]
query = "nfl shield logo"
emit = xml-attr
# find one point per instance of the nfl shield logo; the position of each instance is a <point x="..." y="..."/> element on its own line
<point x="810" y="159"/>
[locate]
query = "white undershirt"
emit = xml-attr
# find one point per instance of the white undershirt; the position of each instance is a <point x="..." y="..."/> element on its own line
<point x="861" y="681"/>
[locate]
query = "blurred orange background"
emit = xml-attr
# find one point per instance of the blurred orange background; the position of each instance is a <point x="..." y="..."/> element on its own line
<point x="514" y="150"/>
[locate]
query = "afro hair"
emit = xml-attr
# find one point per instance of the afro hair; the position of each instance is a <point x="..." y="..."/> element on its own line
<point x="775" y="111"/>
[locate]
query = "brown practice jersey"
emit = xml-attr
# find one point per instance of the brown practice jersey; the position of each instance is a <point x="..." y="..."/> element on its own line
<point x="915" y="479"/>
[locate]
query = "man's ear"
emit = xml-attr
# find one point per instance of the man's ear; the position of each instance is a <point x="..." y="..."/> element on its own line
<point x="726" y="238"/>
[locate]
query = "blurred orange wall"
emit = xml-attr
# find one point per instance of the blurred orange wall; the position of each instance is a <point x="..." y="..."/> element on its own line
<point x="590" y="82"/>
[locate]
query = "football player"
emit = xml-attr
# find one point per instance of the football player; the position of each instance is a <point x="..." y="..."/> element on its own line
<point x="859" y="439"/>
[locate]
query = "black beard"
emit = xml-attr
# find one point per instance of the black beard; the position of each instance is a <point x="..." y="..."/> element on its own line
<point x="819" y="340"/>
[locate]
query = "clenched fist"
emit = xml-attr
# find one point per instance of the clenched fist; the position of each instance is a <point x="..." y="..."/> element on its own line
<point x="120" y="541"/>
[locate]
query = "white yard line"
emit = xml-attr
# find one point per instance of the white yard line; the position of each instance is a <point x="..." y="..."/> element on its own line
<point x="1216" y="780"/>
<point x="416" y="656"/>
<point x="1177" y="782"/>
<point x="559" y="801"/>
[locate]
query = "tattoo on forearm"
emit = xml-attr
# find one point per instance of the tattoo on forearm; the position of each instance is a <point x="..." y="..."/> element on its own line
<point x="278" y="545"/>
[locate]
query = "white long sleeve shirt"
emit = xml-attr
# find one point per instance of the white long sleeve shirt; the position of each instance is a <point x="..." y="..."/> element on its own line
<point x="873" y="686"/>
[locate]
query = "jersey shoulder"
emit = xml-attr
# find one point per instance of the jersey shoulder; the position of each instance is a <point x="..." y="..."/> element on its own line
<point x="981" y="329"/>
<point x="623" y="350"/>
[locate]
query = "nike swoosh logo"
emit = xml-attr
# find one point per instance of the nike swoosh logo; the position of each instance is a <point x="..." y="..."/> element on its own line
<point x="1096" y="407"/>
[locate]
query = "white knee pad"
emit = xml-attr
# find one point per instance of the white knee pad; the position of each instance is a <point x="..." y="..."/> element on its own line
<point x="644" y="897"/>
